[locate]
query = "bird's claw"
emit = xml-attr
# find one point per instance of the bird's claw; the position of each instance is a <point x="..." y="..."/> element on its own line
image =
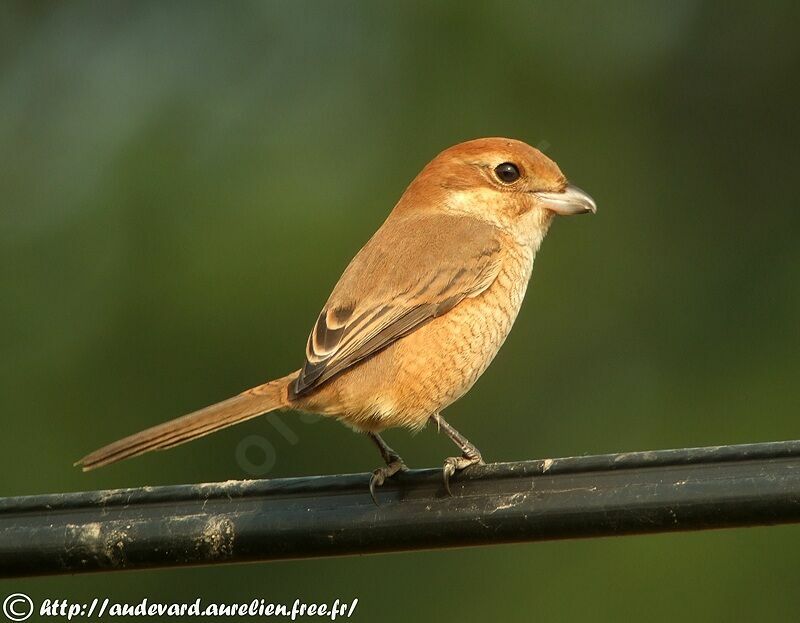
<point x="380" y="475"/>
<point x="456" y="464"/>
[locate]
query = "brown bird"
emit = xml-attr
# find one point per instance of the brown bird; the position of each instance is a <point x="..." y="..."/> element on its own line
<point x="419" y="313"/>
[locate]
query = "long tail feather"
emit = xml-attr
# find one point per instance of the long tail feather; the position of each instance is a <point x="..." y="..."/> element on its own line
<point x="247" y="405"/>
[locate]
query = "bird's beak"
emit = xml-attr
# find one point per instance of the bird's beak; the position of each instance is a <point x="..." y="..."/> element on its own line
<point x="572" y="200"/>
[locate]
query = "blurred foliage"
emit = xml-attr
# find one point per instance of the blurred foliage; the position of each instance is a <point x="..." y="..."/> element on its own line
<point x="182" y="184"/>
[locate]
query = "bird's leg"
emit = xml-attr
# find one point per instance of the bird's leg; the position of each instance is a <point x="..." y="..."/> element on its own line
<point x="470" y="455"/>
<point x="394" y="464"/>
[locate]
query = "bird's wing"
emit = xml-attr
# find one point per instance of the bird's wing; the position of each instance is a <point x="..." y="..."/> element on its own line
<point x="414" y="269"/>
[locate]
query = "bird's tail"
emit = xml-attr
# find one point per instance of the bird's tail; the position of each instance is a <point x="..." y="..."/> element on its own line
<point x="249" y="404"/>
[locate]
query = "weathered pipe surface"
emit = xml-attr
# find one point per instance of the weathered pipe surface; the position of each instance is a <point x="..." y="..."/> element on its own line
<point x="238" y="521"/>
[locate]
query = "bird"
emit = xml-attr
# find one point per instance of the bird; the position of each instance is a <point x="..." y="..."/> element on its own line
<point x="418" y="314"/>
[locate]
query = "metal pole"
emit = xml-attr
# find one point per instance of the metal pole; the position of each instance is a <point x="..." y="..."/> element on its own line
<point x="238" y="521"/>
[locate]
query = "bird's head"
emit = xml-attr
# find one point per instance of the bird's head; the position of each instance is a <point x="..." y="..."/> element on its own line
<point x="499" y="180"/>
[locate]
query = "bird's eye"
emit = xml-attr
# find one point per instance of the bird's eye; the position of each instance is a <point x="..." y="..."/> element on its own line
<point x="507" y="172"/>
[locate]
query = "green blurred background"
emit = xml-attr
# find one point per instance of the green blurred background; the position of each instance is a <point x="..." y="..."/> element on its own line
<point x="183" y="183"/>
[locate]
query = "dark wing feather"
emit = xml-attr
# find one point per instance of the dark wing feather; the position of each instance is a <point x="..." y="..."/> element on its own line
<point x="411" y="271"/>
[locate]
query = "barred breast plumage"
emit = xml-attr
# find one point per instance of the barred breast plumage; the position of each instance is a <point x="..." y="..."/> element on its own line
<point x="429" y="369"/>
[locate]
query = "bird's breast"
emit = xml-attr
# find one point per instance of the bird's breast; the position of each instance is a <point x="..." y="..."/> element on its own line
<point x="432" y="367"/>
<point x="438" y="363"/>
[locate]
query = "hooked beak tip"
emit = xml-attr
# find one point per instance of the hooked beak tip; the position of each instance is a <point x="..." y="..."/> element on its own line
<point x="572" y="200"/>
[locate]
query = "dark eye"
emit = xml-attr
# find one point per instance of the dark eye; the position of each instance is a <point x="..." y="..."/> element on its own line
<point x="507" y="172"/>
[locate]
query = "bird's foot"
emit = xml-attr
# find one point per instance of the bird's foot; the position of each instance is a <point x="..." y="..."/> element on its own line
<point x="456" y="464"/>
<point x="380" y="475"/>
